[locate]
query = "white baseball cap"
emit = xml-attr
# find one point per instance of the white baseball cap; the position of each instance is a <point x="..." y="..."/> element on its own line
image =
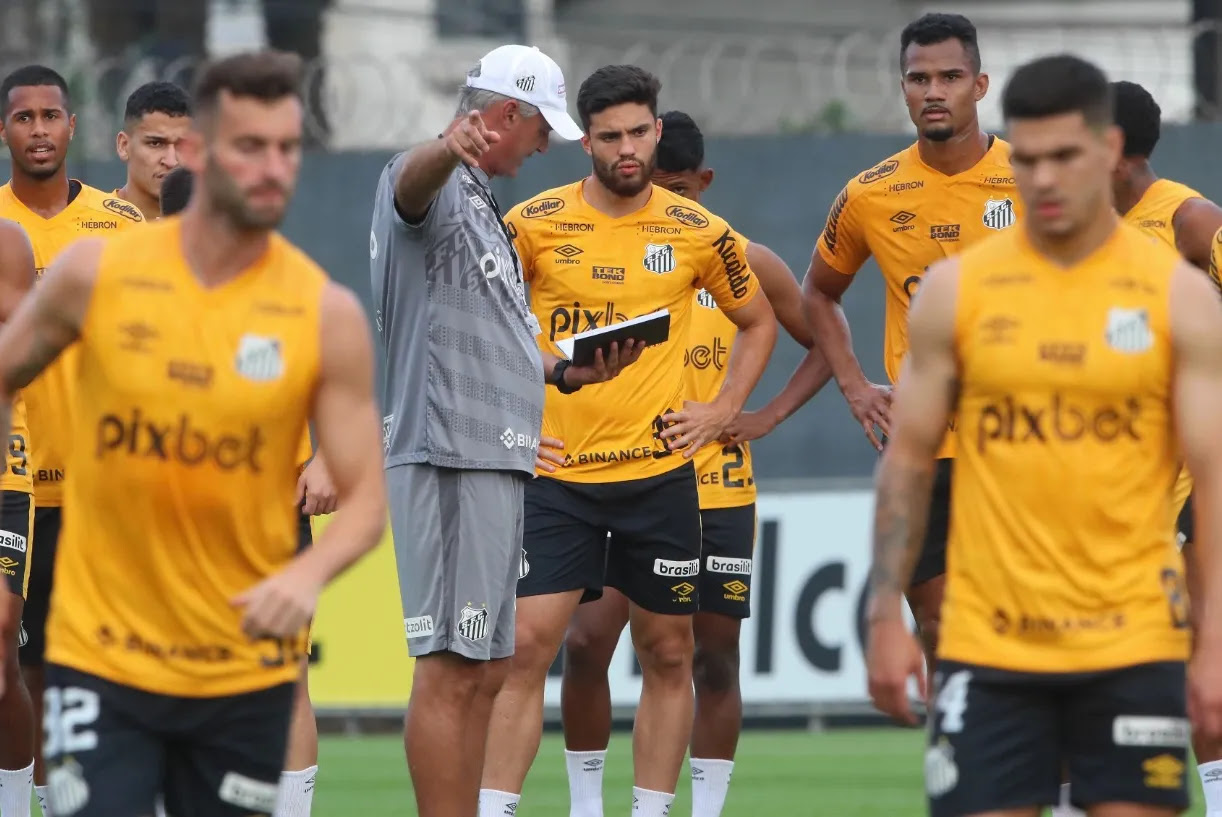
<point x="527" y="74"/>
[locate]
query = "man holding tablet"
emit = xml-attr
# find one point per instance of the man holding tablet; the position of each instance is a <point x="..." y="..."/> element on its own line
<point x="603" y="250"/>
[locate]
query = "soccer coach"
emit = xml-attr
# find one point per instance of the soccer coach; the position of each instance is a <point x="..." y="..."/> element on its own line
<point x="463" y="395"/>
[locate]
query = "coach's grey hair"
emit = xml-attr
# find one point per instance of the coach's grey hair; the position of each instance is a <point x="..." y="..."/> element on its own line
<point x="477" y="99"/>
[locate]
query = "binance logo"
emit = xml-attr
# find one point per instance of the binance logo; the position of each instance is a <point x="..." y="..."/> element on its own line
<point x="568" y="250"/>
<point x="736" y="587"/>
<point x="903" y="220"/>
<point x="1163" y="772"/>
<point x="684" y="589"/>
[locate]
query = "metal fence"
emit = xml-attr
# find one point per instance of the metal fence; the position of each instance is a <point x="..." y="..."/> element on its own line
<point x="380" y="78"/>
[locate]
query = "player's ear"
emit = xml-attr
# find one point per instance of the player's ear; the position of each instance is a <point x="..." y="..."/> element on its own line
<point x="706" y="178"/>
<point x="1114" y="138"/>
<point x="585" y="144"/>
<point x="71" y="126"/>
<point x="982" y="86"/>
<point x="122" y="146"/>
<point x="511" y="111"/>
<point x="658" y="131"/>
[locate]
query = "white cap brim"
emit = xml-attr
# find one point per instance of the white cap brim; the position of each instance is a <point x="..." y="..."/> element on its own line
<point x="562" y="124"/>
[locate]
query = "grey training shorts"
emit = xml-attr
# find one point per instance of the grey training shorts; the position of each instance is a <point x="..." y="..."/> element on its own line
<point x="458" y="547"/>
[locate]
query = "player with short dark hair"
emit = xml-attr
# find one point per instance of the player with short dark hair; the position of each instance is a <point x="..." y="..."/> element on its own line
<point x="950" y="189"/>
<point x="54" y="210"/>
<point x="18" y="727"/>
<point x="1070" y="350"/>
<point x="615" y="240"/>
<point x="1185" y="220"/>
<point x="156" y="117"/>
<point x="204" y="343"/>
<point x="727" y="492"/>
<point x="315" y="496"/>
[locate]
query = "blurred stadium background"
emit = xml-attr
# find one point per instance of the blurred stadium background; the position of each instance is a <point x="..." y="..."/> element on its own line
<point x="795" y="96"/>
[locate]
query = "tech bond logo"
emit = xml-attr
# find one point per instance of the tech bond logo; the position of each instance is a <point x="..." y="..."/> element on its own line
<point x="944" y="232"/>
<point x="610" y="275"/>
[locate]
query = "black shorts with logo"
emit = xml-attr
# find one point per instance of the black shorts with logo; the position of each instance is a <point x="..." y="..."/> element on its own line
<point x="1185" y="526"/>
<point x="654" y="556"/>
<point x="727" y="547"/>
<point x="16" y="520"/>
<point x="931" y="563"/>
<point x="1000" y="740"/>
<point x="45" y="543"/>
<point x="111" y="749"/>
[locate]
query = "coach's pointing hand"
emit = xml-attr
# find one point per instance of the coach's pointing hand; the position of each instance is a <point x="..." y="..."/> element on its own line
<point x="469" y="138"/>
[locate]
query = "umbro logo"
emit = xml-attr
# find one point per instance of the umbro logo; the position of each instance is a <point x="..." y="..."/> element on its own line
<point x="568" y="250"/>
<point x="903" y="220"/>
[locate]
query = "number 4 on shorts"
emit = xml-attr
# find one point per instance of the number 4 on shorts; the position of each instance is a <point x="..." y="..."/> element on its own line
<point x="951" y="702"/>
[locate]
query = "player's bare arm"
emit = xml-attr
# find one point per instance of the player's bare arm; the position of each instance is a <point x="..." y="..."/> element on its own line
<point x="1196" y="329"/>
<point x="785" y="296"/>
<point x="16" y="267"/>
<point x="348" y="425"/>
<point x="924" y="402"/>
<point x="822" y="290"/>
<point x="47" y="322"/>
<point x="699" y="423"/>
<point x="427" y="167"/>
<point x="1196" y="222"/>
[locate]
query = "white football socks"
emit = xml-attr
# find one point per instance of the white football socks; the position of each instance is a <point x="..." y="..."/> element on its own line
<point x="296" y="795"/>
<point x="43" y="803"/>
<point x="647" y="803"/>
<point x="1065" y="808"/>
<point x="710" y="784"/>
<point x="16" y="786"/>
<point x="1211" y="784"/>
<point x="585" y="782"/>
<point x="493" y="803"/>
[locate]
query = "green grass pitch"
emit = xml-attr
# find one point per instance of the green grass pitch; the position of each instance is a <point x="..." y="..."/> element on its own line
<point x="839" y="773"/>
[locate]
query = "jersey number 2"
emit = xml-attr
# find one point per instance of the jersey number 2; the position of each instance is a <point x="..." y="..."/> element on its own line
<point x="734" y="462"/>
<point x="65" y="714"/>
